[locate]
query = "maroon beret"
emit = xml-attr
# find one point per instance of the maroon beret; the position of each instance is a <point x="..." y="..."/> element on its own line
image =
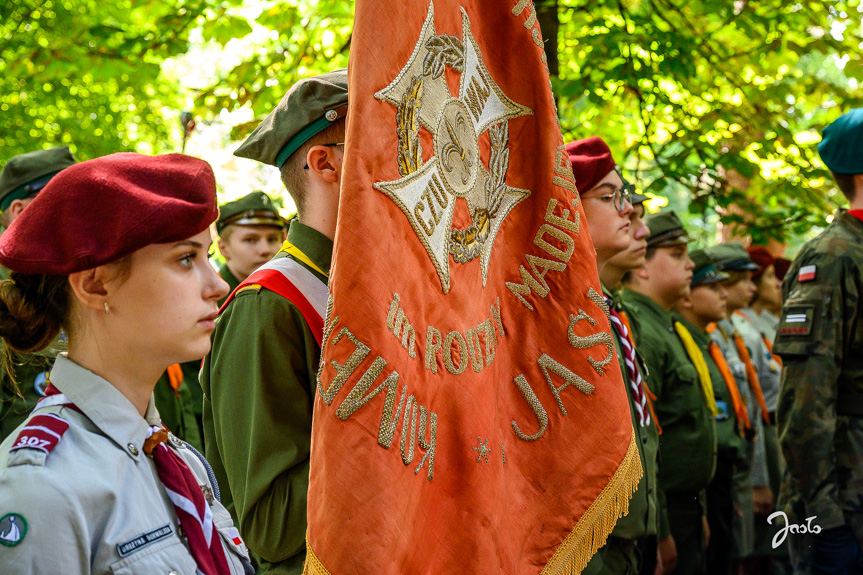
<point x="760" y="257"/>
<point x="591" y="161"/>
<point x="780" y="266"/>
<point x="101" y="210"/>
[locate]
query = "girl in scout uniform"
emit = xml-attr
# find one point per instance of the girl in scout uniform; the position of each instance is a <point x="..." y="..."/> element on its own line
<point x="92" y="482"/>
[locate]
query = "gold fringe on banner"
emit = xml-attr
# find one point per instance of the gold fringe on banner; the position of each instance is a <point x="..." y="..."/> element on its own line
<point x="590" y="532"/>
<point x="596" y="524"/>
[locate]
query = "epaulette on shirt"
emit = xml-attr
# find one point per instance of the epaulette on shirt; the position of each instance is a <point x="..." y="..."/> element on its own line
<point x="40" y="435"/>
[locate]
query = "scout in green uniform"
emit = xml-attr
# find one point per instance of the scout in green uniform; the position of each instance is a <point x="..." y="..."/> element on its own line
<point x="820" y="339"/>
<point x="684" y="406"/>
<point x="251" y="231"/>
<point x="21" y="179"/>
<point x="259" y="378"/>
<point x="704" y="305"/>
<point x="608" y="210"/>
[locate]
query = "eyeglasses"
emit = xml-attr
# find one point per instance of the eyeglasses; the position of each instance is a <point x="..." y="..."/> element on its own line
<point x="306" y="167"/>
<point x="619" y="196"/>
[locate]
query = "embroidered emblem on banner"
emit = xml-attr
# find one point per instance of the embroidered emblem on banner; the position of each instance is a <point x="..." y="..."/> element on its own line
<point x="144" y="539"/>
<point x="13" y="528"/>
<point x="429" y="193"/>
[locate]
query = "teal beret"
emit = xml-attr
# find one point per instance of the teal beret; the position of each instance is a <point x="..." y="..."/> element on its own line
<point x="705" y="271"/>
<point x="26" y="174"/>
<point x="310" y="105"/>
<point x="255" y="209"/>
<point x="732" y="257"/>
<point x="666" y="229"/>
<point x="841" y="146"/>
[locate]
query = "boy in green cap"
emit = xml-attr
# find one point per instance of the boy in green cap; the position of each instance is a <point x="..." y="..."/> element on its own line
<point x="705" y="305"/>
<point x="820" y="409"/>
<point x="251" y="231"/>
<point x="21" y="179"/>
<point x="259" y="378"/>
<point x="684" y="406"/>
<point x="606" y="202"/>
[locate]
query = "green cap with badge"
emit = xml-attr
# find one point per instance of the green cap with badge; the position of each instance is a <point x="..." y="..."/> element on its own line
<point x="255" y="209"/>
<point x="307" y="109"/>
<point x="666" y="229"/>
<point x="23" y="176"/>
<point x="841" y="146"/>
<point x="732" y="257"/>
<point x="705" y="271"/>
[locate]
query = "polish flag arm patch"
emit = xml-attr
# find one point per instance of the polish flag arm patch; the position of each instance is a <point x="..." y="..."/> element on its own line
<point x="43" y="432"/>
<point x="806" y="274"/>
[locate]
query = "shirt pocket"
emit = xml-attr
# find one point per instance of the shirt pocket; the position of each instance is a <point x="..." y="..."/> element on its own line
<point x="164" y="557"/>
<point x="689" y="395"/>
<point x="235" y="549"/>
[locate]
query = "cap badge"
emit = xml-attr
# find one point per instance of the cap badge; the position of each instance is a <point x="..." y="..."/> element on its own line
<point x="332" y="115"/>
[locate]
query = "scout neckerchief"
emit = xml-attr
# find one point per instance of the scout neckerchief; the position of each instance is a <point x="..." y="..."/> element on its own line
<point x="751" y="375"/>
<point x="731" y="383"/>
<point x="651" y="397"/>
<point x="193" y="511"/>
<point x="636" y="386"/>
<point x="767" y="343"/>
<point x="293" y="250"/>
<point x="697" y="359"/>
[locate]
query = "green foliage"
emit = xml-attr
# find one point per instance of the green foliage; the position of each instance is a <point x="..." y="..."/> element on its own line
<point x="86" y="73"/>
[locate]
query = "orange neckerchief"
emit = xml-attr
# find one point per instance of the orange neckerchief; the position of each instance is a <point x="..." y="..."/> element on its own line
<point x="731" y="384"/>
<point x="175" y="377"/>
<point x="766" y="341"/>
<point x="650" y="397"/>
<point x="751" y="375"/>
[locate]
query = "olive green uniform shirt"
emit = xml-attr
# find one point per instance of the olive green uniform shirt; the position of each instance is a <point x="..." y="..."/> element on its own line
<point x="230" y="279"/>
<point x="259" y="388"/>
<point x="820" y="410"/>
<point x="182" y="409"/>
<point x="687" y="446"/>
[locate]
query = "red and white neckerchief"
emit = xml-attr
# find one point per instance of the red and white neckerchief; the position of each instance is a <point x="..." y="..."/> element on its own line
<point x="193" y="511"/>
<point x="636" y="385"/>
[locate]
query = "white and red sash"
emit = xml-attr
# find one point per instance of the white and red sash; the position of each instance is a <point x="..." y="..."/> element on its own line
<point x="295" y="283"/>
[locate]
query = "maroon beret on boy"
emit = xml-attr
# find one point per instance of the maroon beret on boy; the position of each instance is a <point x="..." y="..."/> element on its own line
<point x="101" y="210"/>
<point x="760" y="257"/>
<point x="591" y="161"/>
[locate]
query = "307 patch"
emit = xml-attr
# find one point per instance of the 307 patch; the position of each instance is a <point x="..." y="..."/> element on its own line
<point x="43" y="432"/>
<point x="797" y="320"/>
<point x="13" y="528"/>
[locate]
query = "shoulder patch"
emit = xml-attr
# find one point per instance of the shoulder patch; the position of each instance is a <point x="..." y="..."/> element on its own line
<point x="13" y="528"/>
<point x="797" y="320"/>
<point x="42" y="432"/>
<point x="807" y="273"/>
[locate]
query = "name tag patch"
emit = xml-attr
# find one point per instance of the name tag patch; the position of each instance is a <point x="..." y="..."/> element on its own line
<point x="141" y="541"/>
<point x="797" y="320"/>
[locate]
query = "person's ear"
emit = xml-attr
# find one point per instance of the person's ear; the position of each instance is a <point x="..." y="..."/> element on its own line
<point x="225" y="249"/>
<point x="16" y="207"/>
<point x="91" y="287"/>
<point x="323" y="162"/>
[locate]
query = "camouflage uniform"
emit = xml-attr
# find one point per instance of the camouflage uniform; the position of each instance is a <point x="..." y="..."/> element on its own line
<point x="820" y="409"/>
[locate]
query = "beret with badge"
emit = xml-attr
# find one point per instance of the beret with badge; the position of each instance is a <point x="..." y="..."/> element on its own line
<point x="255" y="209"/>
<point x="732" y="257"/>
<point x="704" y="271"/>
<point x="666" y="229"/>
<point x="110" y="207"/>
<point x="841" y="146"/>
<point x="307" y="109"/>
<point x="24" y="175"/>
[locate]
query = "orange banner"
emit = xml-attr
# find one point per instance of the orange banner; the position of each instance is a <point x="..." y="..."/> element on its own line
<point x="470" y="414"/>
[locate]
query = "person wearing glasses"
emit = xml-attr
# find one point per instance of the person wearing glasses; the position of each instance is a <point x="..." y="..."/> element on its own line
<point x="606" y="199"/>
<point x="259" y="378"/>
<point x="22" y="178"/>
<point x="685" y="405"/>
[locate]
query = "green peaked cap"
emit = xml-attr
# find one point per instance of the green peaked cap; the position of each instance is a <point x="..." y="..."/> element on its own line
<point x="26" y="174"/>
<point x="310" y="105"/>
<point x="255" y="209"/>
<point x="841" y="146"/>
<point x="666" y="229"/>
<point x="705" y="271"/>
<point x="732" y="257"/>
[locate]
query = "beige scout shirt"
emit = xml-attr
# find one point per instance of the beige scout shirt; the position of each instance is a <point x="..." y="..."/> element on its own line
<point x="94" y="504"/>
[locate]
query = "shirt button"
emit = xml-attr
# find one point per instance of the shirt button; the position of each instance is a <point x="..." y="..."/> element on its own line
<point x="132" y="448"/>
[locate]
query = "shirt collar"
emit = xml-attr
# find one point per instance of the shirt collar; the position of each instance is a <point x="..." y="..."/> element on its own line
<point x="317" y="246"/>
<point x="648" y="305"/>
<point x="104" y="405"/>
